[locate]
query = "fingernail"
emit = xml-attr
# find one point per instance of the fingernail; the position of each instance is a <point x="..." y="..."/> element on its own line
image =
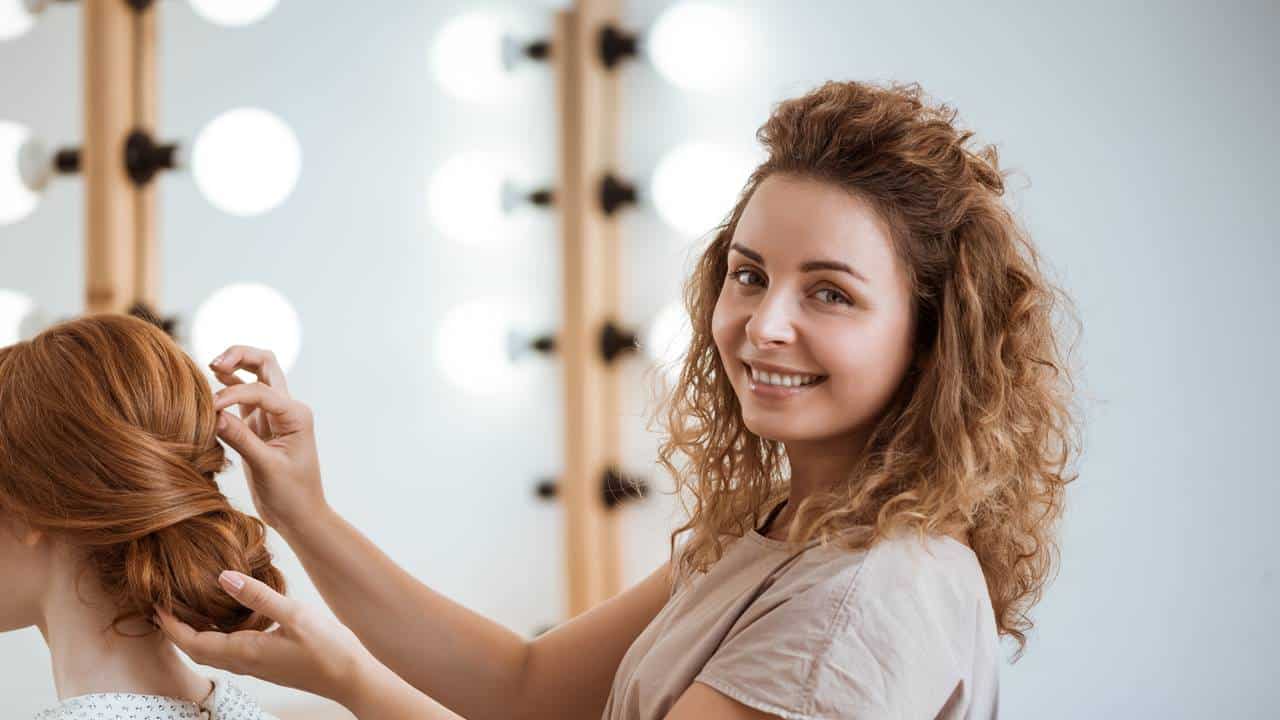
<point x="232" y="580"/>
<point x="216" y="361"/>
<point x="222" y="421"/>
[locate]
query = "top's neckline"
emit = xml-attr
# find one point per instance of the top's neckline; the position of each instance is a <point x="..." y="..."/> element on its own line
<point x="768" y="521"/>
<point x="204" y="702"/>
<point x="782" y="545"/>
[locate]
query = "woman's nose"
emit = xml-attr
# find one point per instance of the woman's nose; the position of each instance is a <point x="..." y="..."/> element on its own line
<point x="771" y="323"/>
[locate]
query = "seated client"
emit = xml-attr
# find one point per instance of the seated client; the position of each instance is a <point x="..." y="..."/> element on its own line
<point x="108" y="508"/>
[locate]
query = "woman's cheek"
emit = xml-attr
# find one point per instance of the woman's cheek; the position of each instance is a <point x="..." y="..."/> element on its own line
<point x="722" y="329"/>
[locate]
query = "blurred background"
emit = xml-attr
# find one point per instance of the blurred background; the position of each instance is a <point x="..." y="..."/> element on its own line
<point x="374" y="256"/>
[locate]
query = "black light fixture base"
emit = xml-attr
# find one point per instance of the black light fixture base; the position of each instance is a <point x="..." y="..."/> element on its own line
<point x="144" y="157"/>
<point x="143" y="311"/>
<point x="616" y="193"/>
<point x="617" y="45"/>
<point x="619" y="488"/>
<point x="538" y="50"/>
<point x="547" y="489"/>
<point x="67" y="161"/>
<point x="545" y="197"/>
<point x="615" y="341"/>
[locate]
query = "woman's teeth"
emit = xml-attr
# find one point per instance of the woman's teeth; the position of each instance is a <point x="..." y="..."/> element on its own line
<point x="783" y="380"/>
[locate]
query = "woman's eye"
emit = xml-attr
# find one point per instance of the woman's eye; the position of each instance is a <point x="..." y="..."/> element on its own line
<point x="737" y="275"/>
<point x="840" y="298"/>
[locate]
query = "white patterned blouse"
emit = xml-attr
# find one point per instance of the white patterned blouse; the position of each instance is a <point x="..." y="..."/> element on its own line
<point x="226" y="702"/>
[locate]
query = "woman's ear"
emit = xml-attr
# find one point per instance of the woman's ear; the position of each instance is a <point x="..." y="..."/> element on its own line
<point x="30" y="536"/>
<point x="21" y="530"/>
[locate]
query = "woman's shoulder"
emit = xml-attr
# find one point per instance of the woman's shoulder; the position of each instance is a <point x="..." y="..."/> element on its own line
<point x="931" y="570"/>
<point x="926" y="587"/>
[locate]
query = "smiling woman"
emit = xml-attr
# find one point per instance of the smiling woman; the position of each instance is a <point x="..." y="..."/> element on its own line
<point x="875" y="374"/>
<point x="877" y="417"/>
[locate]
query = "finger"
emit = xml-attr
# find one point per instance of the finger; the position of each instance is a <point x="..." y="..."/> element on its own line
<point x="261" y="362"/>
<point x="258" y="424"/>
<point x="257" y="595"/>
<point x="203" y="647"/>
<point x="244" y="411"/>
<point x="243" y="440"/>
<point x="237" y="651"/>
<point x="263" y="396"/>
<point x="227" y="378"/>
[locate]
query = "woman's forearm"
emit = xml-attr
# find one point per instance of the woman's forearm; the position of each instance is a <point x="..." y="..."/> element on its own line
<point x="379" y="694"/>
<point x="466" y="661"/>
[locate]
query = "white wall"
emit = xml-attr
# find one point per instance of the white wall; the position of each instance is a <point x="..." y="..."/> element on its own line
<point x="1147" y="136"/>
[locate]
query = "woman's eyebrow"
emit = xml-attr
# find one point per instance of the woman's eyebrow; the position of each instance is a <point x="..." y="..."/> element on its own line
<point x="808" y="266"/>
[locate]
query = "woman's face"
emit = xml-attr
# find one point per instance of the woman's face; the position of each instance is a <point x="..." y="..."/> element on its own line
<point x="25" y="563"/>
<point x="787" y="303"/>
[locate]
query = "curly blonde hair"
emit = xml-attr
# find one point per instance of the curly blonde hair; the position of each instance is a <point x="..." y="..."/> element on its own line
<point x="981" y="433"/>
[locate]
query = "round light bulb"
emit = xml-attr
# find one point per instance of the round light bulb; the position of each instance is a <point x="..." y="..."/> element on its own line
<point x="16" y="199"/>
<point x="699" y="46"/>
<point x="15" y="309"/>
<point x="233" y="13"/>
<point x="696" y="185"/>
<point x="465" y="197"/>
<point x="15" y="19"/>
<point x="246" y="161"/>
<point x="247" y="314"/>
<point x="467" y="57"/>
<point x="472" y="346"/>
<point x="667" y="339"/>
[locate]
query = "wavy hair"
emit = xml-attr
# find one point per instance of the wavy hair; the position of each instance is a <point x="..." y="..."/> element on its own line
<point x="108" y="442"/>
<point x="981" y="435"/>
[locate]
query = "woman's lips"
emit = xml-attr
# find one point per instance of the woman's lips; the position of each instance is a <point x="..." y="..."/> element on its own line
<point x="766" y="391"/>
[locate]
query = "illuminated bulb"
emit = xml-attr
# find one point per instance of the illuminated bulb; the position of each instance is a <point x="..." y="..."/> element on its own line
<point x="470" y="199"/>
<point x="16" y="311"/>
<point x="17" y="199"/>
<point x="699" y="46"/>
<point x="473" y="346"/>
<point x="696" y="185"/>
<point x="233" y="13"/>
<point x="17" y="17"/>
<point x="246" y="161"/>
<point x="247" y="314"/>
<point x="467" y="57"/>
<point x="667" y="339"/>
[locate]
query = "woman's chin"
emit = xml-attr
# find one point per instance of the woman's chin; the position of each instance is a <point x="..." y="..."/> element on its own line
<point x="774" y="429"/>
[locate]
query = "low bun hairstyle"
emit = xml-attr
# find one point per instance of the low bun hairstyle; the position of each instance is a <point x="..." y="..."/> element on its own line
<point x="108" y="442"/>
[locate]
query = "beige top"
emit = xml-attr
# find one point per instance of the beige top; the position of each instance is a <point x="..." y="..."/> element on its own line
<point x="902" y="630"/>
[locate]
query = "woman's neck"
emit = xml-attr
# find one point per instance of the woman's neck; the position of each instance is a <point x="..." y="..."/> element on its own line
<point x="814" y="467"/>
<point x="90" y="657"/>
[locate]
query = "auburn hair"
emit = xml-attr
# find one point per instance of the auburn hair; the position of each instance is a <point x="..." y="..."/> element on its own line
<point x="107" y="442"/>
<point x="982" y="433"/>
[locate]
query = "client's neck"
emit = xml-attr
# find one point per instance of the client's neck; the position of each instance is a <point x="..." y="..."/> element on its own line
<point x="90" y="657"/>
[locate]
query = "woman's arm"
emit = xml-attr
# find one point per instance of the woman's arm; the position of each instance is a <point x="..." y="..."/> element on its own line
<point x="571" y="668"/>
<point x="472" y="664"/>
<point x="467" y="661"/>
<point x="308" y="651"/>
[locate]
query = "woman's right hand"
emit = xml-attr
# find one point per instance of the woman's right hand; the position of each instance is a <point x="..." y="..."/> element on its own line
<point x="274" y="434"/>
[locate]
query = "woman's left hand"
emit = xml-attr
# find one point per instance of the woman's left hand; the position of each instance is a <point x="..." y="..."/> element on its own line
<point x="309" y="650"/>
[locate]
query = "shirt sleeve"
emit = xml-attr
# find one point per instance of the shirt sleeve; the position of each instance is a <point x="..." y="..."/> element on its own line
<point x="873" y="641"/>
